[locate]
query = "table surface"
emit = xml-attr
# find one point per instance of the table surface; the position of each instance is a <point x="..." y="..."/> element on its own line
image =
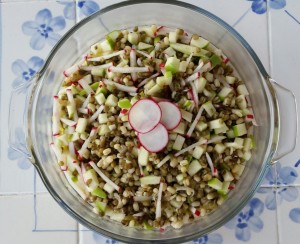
<point x="28" y="214"/>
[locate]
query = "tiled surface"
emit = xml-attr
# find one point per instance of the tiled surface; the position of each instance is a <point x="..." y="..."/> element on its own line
<point x="26" y="206"/>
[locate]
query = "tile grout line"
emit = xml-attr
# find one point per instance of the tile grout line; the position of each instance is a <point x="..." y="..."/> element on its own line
<point x="269" y="36"/>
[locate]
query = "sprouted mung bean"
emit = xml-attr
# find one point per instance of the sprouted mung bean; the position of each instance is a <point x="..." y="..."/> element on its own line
<point x="152" y="127"/>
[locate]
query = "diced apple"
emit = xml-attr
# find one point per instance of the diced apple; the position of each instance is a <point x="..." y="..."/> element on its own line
<point x="180" y="129"/>
<point x="183" y="48"/>
<point x="102" y="118"/>
<point x="108" y="188"/>
<point x="143" y="156"/>
<point x="240" y="129"/>
<point x="81" y="125"/>
<point x="99" y="193"/>
<point x="241" y="102"/>
<point x="221" y="130"/>
<point x="199" y="42"/>
<point x="104" y="129"/>
<point x="133" y="38"/>
<point x="200" y="84"/>
<point x="143" y="46"/>
<point x="100" y="98"/>
<point x="111" y="101"/>
<point x="101" y="206"/>
<point x="215" y="184"/>
<point x="209" y="108"/>
<point x="182" y="66"/>
<point x="230" y="79"/>
<point x="173" y="36"/>
<point x="198" y="151"/>
<point x="155" y="90"/>
<point x="194" y="167"/>
<point x="201" y="126"/>
<point x="170" y="52"/>
<point x="220" y="148"/>
<point x="172" y="64"/>
<point x="216" y="124"/>
<point x="178" y="142"/>
<point x="150" y="180"/>
<point x="186" y="115"/>
<point x="242" y="90"/>
<point x="224" y="92"/>
<point x="215" y="60"/>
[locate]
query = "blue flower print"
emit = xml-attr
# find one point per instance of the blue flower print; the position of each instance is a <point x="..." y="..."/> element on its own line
<point x="100" y="239"/>
<point x="247" y="220"/>
<point x="43" y="29"/>
<point x="69" y="10"/>
<point x="260" y="6"/>
<point x="88" y="7"/>
<point x="110" y="241"/>
<point x="22" y="161"/>
<point x="285" y="176"/>
<point x="213" y="238"/>
<point x="25" y="71"/>
<point x="295" y="215"/>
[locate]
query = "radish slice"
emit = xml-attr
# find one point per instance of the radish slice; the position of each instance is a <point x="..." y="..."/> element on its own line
<point x="162" y="162"/>
<point x="90" y="68"/>
<point x="68" y="122"/>
<point x="155" y="140"/>
<point x="108" y="56"/>
<point x="115" y="69"/>
<point x="120" y="87"/>
<point x="144" y="115"/>
<point x="198" y="67"/>
<point x="133" y="63"/>
<point x="206" y="67"/>
<point x="143" y="82"/>
<point x="144" y="54"/>
<point x="104" y="177"/>
<point x="196" y="120"/>
<point x="158" y="204"/>
<point x="193" y="77"/>
<point x="210" y="163"/>
<point x="195" y="211"/>
<point x="72" y="103"/>
<point x="171" y="115"/>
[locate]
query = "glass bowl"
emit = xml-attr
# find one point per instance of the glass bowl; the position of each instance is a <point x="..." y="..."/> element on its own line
<point x="264" y="92"/>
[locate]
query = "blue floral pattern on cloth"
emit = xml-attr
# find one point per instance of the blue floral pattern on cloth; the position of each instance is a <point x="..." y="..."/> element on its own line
<point x="69" y="10"/>
<point x="213" y="238"/>
<point x="295" y="215"/>
<point x="260" y="6"/>
<point x="285" y="176"/>
<point x="247" y="220"/>
<point x="25" y="71"/>
<point x="86" y="7"/>
<point x="99" y="239"/>
<point x="22" y="161"/>
<point x="43" y="29"/>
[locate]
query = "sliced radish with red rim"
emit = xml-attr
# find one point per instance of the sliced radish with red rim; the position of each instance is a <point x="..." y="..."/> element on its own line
<point x="144" y="115"/>
<point x="171" y="115"/>
<point x="155" y="140"/>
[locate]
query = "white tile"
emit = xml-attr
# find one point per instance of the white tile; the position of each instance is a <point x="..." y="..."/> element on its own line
<point x="16" y="173"/>
<point x="289" y="215"/>
<point x="89" y="237"/>
<point x="285" y="49"/>
<point x="17" y="223"/>
<point x="49" y="216"/>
